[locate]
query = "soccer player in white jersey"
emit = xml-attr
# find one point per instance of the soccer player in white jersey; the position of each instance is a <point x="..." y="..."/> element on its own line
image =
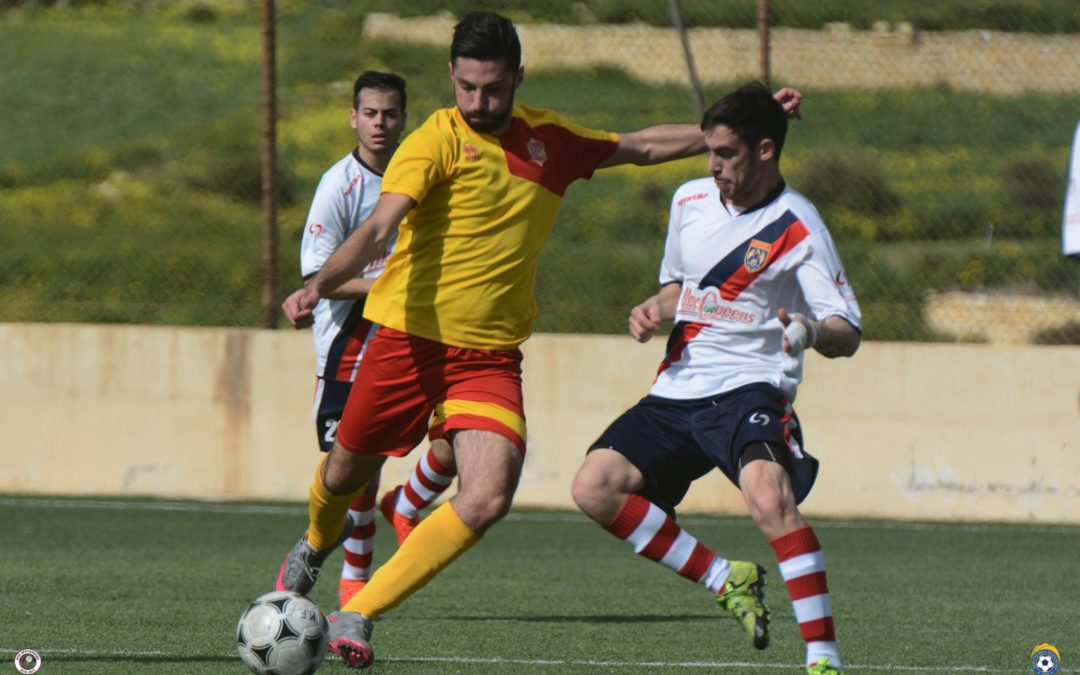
<point x="752" y="279"/>
<point x="344" y="198"/>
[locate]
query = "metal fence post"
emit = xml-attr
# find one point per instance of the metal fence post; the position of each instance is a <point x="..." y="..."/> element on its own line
<point x="269" y="172"/>
<point x="763" y="40"/>
<point x="688" y="55"/>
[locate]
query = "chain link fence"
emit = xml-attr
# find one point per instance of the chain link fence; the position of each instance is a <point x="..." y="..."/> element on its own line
<point x="935" y="143"/>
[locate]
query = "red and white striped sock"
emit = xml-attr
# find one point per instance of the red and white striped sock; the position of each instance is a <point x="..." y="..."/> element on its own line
<point x="360" y="545"/>
<point x="429" y="480"/>
<point x="655" y="535"/>
<point x="802" y="564"/>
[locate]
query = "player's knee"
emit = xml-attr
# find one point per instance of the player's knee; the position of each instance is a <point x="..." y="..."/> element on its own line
<point x="345" y="472"/>
<point x="766" y="509"/>
<point x="444" y="453"/>
<point x="587" y="489"/>
<point x="602" y="483"/>
<point x="766" y="488"/>
<point x="480" y="514"/>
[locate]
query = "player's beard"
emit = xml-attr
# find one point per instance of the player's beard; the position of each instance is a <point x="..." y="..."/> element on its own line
<point x="486" y="123"/>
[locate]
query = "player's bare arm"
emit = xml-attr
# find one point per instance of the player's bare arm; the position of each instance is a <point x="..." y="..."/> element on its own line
<point x="832" y="338"/>
<point x="665" y="142"/>
<point x="351" y="289"/>
<point x="645" y="318"/>
<point x="656" y="144"/>
<point x="364" y="245"/>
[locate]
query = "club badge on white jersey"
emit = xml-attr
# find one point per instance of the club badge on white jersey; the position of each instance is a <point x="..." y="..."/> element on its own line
<point x="346" y="196"/>
<point x="735" y="270"/>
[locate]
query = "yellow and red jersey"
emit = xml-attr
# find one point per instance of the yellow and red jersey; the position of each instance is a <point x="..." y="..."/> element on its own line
<point x="464" y="265"/>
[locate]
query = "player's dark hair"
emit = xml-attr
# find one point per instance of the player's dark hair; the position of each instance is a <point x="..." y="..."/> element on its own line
<point x="752" y="113"/>
<point x="486" y="36"/>
<point x="373" y="79"/>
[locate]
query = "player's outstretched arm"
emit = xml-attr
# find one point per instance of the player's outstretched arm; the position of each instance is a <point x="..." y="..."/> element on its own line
<point x="665" y="142"/>
<point x="832" y="337"/>
<point x="364" y="245"/>
<point x="656" y="144"/>
<point x="645" y="318"/>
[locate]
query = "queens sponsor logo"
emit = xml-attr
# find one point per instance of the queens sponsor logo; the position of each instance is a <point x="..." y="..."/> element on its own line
<point x="706" y="305"/>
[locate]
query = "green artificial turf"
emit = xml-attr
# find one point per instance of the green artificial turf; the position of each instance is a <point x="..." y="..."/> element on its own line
<point x="156" y="587"/>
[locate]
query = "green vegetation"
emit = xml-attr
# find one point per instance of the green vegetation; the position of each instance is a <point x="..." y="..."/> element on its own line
<point x="1043" y="16"/>
<point x="158" y="587"/>
<point x="129" y="179"/>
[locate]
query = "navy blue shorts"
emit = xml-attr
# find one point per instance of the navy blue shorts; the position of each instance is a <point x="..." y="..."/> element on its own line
<point x="675" y="442"/>
<point x="330" y="397"/>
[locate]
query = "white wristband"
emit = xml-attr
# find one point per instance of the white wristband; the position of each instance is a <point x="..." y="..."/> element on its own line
<point x="800" y="336"/>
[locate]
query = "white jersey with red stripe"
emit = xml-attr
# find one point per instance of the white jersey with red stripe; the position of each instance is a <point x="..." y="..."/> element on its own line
<point x="346" y="196"/>
<point x="736" y="268"/>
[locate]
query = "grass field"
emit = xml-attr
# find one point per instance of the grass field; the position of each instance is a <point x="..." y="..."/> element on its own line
<point x="120" y="586"/>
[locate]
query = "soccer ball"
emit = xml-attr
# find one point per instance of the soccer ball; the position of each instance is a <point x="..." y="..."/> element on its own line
<point x="1044" y="663"/>
<point x="282" y="633"/>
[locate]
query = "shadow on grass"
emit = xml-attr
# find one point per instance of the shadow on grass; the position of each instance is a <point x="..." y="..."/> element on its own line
<point x="141" y="658"/>
<point x="589" y="618"/>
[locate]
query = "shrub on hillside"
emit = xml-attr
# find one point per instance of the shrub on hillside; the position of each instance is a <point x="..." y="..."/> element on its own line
<point x="855" y="182"/>
<point x="1034" y="183"/>
<point x="1068" y="334"/>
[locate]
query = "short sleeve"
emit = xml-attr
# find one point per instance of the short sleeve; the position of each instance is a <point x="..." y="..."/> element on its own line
<point x="326" y="226"/>
<point x="420" y="162"/>
<point x="671" y="266"/>
<point x="824" y="282"/>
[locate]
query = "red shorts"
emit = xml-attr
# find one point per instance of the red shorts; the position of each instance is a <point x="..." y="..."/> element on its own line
<point x="406" y="384"/>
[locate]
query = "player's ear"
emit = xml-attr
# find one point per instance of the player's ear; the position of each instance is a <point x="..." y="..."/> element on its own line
<point x="519" y="76"/>
<point x="352" y="118"/>
<point x="766" y="149"/>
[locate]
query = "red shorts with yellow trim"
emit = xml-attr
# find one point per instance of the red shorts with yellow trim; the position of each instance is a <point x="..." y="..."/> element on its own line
<point x="406" y="384"/>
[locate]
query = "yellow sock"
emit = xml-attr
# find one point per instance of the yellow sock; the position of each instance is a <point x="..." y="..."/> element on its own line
<point x="435" y="543"/>
<point x="326" y="513"/>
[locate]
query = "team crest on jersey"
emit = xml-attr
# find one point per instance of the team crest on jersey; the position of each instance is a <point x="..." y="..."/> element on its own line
<point x="757" y="255"/>
<point x="471" y="153"/>
<point x="537" y="151"/>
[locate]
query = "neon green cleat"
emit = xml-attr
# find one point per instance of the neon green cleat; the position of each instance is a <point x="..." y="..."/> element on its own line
<point x="743" y="595"/>
<point x="822" y="667"/>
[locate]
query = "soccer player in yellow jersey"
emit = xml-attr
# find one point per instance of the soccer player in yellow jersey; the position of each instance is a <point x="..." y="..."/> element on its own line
<point x="480" y="184"/>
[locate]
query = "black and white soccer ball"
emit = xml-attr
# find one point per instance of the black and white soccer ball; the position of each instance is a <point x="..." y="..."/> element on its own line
<point x="282" y="633"/>
<point x="1044" y="663"/>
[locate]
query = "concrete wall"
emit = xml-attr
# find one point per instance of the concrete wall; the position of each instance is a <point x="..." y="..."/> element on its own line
<point x="908" y="431"/>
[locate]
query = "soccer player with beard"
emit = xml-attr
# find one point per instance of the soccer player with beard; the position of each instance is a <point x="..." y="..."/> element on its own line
<point x="752" y="279"/>
<point x="345" y="197"/>
<point x="480" y="184"/>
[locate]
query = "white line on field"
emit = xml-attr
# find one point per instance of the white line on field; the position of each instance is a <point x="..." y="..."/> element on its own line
<point x="540" y="516"/>
<point x="495" y="660"/>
